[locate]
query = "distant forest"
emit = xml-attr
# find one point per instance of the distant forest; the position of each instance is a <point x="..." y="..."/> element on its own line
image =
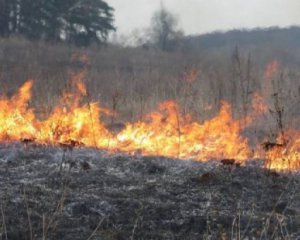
<point x="278" y="43"/>
<point x="254" y="37"/>
<point x="73" y="21"/>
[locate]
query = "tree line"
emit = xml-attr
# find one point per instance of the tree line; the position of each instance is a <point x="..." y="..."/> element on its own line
<point x="80" y="22"/>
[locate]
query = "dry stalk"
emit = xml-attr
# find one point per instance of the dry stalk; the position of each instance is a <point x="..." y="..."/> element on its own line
<point x="189" y="77"/>
<point x="134" y="228"/>
<point x="92" y="123"/>
<point x="280" y="220"/>
<point x="3" y="224"/>
<point x="278" y="114"/>
<point x="115" y="98"/>
<point x="178" y="128"/>
<point x="52" y="220"/>
<point x="28" y="214"/>
<point x="244" y="78"/>
<point x="96" y="229"/>
<point x="243" y="235"/>
<point x="272" y="213"/>
<point x="236" y="225"/>
<point x="138" y="218"/>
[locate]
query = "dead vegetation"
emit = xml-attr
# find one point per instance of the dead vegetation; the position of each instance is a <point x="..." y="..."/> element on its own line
<point x="73" y="193"/>
<point x="131" y="81"/>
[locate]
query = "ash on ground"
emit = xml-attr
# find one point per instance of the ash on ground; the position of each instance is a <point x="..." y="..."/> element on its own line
<point x="58" y="193"/>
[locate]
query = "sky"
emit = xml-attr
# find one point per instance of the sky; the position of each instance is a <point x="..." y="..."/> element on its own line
<point x="202" y="16"/>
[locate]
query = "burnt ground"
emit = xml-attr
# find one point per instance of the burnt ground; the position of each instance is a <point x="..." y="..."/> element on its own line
<point x="94" y="195"/>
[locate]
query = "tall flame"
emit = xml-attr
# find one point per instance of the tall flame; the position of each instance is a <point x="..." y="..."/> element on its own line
<point x="16" y="119"/>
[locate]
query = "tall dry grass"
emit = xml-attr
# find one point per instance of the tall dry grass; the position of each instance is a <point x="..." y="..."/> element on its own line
<point x="133" y="80"/>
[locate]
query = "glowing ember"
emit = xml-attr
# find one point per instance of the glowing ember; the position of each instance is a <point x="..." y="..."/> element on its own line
<point x="164" y="132"/>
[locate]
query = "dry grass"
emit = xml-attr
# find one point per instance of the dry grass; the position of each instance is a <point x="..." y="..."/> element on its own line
<point x="133" y="80"/>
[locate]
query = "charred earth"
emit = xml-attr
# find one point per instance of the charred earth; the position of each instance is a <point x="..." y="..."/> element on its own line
<point x="80" y="193"/>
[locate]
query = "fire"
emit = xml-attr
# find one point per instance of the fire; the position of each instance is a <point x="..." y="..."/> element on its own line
<point x="16" y="119"/>
<point x="71" y="121"/>
<point x="168" y="133"/>
<point x="285" y="155"/>
<point x="164" y="132"/>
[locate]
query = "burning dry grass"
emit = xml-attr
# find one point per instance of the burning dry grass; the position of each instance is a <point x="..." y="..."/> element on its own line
<point x="165" y="132"/>
<point x="69" y="192"/>
<point x="207" y="119"/>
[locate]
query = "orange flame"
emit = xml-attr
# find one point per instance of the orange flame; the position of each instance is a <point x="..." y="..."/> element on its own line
<point x="16" y="119"/>
<point x="285" y="156"/>
<point x="165" y="132"/>
<point x="71" y="121"/>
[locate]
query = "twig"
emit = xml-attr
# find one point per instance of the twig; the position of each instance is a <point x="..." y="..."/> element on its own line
<point x="139" y="213"/>
<point x="3" y="222"/>
<point x="134" y="228"/>
<point x="248" y="224"/>
<point x="28" y="214"/>
<point x="57" y="211"/>
<point x="265" y="229"/>
<point x="96" y="229"/>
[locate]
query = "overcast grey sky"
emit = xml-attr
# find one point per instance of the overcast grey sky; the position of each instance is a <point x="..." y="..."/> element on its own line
<point x="200" y="16"/>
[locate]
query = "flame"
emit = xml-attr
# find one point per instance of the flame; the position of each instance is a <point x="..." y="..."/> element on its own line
<point x="168" y="133"/>
<point x="71" y="121"/>
<point x="271" y="69"/>
<point x="164" y="132"/>
<point x="16" y="119"/>
<point x="285" y="155"/>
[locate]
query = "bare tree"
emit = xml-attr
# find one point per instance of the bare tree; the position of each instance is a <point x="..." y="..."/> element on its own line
<point x="164" y="29"/>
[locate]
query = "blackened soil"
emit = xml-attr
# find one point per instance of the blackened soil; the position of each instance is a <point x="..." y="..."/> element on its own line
<point x="55" y="193"/>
